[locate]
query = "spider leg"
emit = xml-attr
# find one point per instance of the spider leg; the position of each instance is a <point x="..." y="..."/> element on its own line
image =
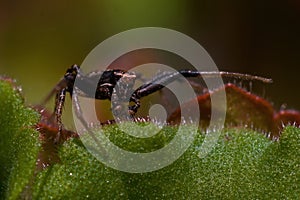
<point x="78" y="112"/>
<point x="150" y="87"/>
<point x="215" y="74"/>
<point x="60" y="100"/>
<point x="166" y="78"/>
<point x="155" y="84"/>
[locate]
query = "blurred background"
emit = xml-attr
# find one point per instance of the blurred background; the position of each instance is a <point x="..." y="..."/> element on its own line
<point x="40" y="39"/>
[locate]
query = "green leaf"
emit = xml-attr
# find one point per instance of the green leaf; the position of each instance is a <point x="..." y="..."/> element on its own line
<point x="279" y="170"/>
<point x="78" y="176"/>
<point x="243" y="164"/>
<point x="19" y="142"/>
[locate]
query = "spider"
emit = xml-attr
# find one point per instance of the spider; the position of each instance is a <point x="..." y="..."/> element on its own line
<point x="116" y="85"/>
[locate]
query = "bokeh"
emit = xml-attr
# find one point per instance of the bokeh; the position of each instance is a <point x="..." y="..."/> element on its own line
<point x="40" y="39"/>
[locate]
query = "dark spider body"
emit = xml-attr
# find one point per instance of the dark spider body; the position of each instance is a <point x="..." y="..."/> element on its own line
<point x="116" y="85"/>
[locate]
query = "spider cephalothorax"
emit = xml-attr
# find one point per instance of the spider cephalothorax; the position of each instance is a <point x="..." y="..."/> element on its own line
<point x="116" y="85"/>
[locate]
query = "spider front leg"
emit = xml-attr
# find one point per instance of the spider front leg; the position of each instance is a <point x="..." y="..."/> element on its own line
<point x="59" y="104"/>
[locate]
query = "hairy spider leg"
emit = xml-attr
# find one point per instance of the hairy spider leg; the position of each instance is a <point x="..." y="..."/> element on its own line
<point x="166" y="78"/>
<point x="214" y="74"/>
<point x="79" y="115"/>
<point x="150" y="87"/>
<point x="60" y="100"/>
